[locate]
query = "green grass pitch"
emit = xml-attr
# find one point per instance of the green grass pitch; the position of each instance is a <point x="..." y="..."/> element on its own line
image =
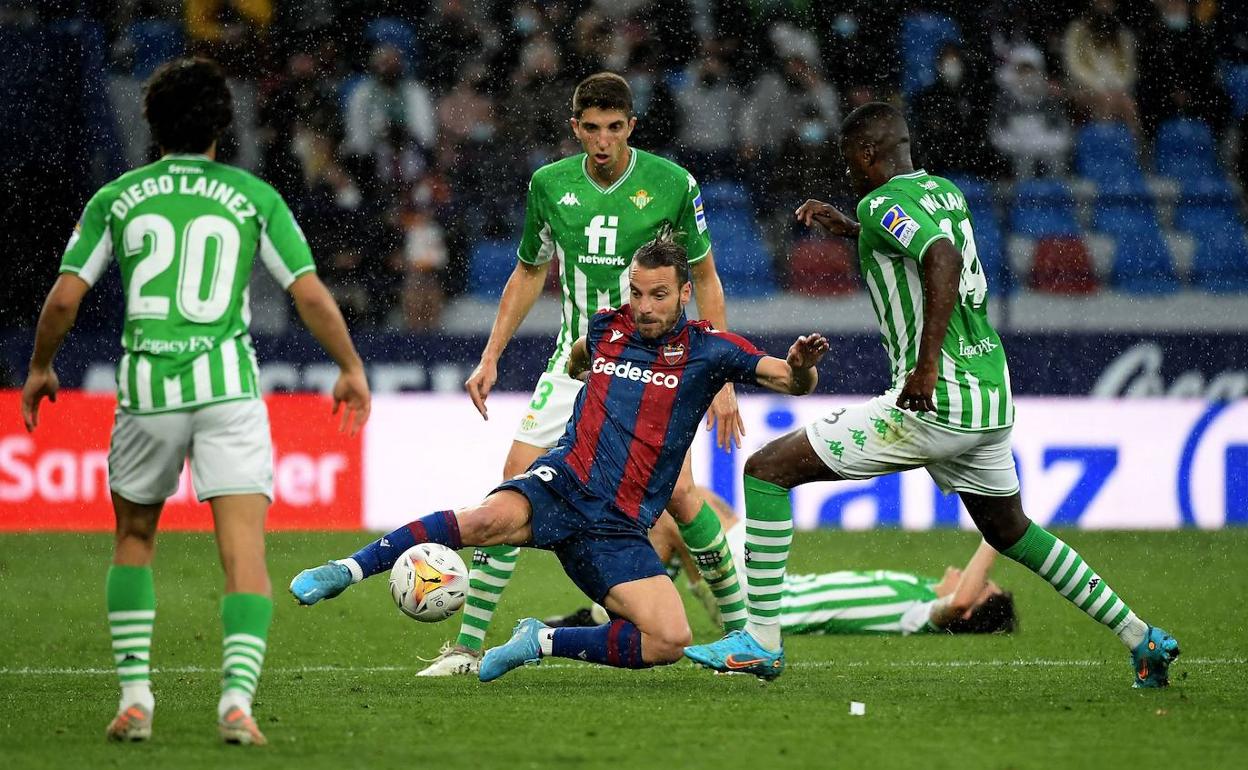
<point x="339" y="688"/>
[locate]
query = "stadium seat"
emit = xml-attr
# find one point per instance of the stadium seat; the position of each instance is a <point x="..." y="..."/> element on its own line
<point x="1206" y="206"/>
<point x="1186" y="150"/>
<point x="398" y="33"/>
<point x="1221" y="264"/>
<point x="741" y="258"/>
<point x="1115" y="214"/>
<point x="1106" y="152"/>
<point x="1043" y="208"/>
<point x="823" y="267"/>
<point x="490" y="265"/>
<point x="1142" y="263"/>
<point x="1235" y="80"/>
<point x="922" y="37"/>
<point x="155" y="42"/>
<point x="1063" y="266"/>
<point x="724" y="195"/>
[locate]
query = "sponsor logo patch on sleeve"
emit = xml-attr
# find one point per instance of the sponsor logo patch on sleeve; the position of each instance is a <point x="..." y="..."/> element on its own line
<point x="699" y="214"/>
<point x="898" y="223"/>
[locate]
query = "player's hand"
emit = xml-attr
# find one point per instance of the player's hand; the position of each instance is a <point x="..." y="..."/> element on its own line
<point x="916" y="394"/>
<point x="807" y="351"/>
<point x="352" y="397"/>
<point x="39" y="383"/>
<point x="479" y="384"/>
<point x="727" y="416"/>
<point x="826" y="215"/>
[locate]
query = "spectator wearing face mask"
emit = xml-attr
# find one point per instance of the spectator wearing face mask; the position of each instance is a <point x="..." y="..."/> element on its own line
<point x="389" y="106"/>
<point x="1029" y="123"/>
<point x="1099" y="54"/>
<point x="950" y="119"/>
<point x="708" y="105"/>
<point x="1179" y="66"/>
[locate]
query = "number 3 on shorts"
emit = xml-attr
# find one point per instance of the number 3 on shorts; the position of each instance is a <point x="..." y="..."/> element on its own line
<point x="543" y="392"/>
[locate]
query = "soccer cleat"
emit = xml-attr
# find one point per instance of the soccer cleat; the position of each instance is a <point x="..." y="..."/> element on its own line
<point x="738" y="652"/>
<point x="452" y="661"/>
<point x="523" y="648"/>
<point x="323" y="582"/>
<point x="1151" y="659"/>
<point x="239" y="728"/>
<point x="133" y="723"/>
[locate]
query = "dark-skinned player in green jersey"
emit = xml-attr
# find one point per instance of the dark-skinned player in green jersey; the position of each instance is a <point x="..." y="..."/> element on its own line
<point x="948" y="408"/>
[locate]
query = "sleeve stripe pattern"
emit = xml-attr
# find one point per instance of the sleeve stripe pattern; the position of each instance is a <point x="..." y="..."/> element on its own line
<point x="273" y="262"/>
<point x="97" y="260"/>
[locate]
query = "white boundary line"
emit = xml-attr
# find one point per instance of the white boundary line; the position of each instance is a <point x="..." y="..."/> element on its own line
<point x="800" y="664"/>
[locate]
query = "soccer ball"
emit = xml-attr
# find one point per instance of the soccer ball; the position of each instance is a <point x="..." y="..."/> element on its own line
<point x="428" y="582"/>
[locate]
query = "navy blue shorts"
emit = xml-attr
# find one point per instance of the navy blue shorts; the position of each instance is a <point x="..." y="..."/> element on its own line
<point x="598" y="547"/>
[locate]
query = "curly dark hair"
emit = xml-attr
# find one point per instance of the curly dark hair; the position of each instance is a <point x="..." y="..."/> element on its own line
<point x="664" y="251"/>
<point x="995" y="616"/>
<point x="187" y="104"/>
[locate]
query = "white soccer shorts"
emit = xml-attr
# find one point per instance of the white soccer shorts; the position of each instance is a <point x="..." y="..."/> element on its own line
<point x="548" y="412"/>
<point x="876" y="438"/>
<point x="229" y="446"/>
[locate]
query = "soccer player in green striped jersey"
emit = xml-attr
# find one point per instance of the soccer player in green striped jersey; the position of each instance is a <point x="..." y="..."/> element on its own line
<point x="589" y="213"/>
<point x="185" y="231"/>
<point x="948" y="409"/>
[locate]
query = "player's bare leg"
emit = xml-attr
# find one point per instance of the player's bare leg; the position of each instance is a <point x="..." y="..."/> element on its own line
<point x="491" y="570"/>
<point x="246" y="611"/>
<point x="131" y="599"/>
<point x="703" y="534"/>
<point x="1006" y="528"/>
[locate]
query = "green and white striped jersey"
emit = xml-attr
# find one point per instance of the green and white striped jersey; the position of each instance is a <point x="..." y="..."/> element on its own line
<point x="185" y="231"/>
<point x="900" y="221"/>
<point x="846" y="602"/>
<point x="593" y="231"/>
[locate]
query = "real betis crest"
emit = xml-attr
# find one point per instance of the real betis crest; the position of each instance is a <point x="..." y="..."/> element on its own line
<point x="641" y="199"/>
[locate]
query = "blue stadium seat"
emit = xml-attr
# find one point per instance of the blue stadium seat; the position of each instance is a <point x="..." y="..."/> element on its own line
<point x="1235" y="80"/>
<point x="976" y="190"/>
<point x="1185" y="150"/>
<point x="1043" y="208"/>
<point x="490" y="265"/>
<point x="1206" y="206"/>
<point x="398" y="33"/>
<point x="724" y="195"/>
<point x="1117" y="213"/>
<point x="1142" y="263"/>
<point x="1106" y="152"/>
<point x="922" y="37"/>
<point x="741" y="258"/>
<point x="1221" y="263"/>
<point x="155" y="42"/>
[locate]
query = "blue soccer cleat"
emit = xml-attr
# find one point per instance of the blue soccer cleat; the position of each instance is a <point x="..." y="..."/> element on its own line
<point x="521" y="649"/>
<point x="323" y="582"/>
<point x="738" y="652"/>
<point x="1151" y="659"/>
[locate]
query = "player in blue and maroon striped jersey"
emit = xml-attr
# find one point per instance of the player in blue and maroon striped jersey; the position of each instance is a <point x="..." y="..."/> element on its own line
<point x="650" y="374"/>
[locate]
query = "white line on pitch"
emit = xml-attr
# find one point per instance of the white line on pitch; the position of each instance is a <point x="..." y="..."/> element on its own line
<point x="557" y="665"/>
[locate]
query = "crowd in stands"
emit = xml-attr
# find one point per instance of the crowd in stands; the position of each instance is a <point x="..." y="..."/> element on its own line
<point x="403" y="132"/>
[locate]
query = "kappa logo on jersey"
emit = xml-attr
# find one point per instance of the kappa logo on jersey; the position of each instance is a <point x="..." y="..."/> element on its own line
<point x="929" y="185"/>
<point x="625" y="370"/>
<point x="641" y="199"/>
<point x="692" y="182"/>
<point x="699" y="215"/>
<point x="875" y="203"/>
<point x="674" y="353"/>
<point x="898" y="223"/>
<point x="616" y="334"/>
<point x="569" y="199"/>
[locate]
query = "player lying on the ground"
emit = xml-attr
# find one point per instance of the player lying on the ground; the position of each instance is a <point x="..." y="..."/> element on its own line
<point x="185" y="231"/>
<point x="963" y="601"/>
<point x="650" y="376"/>
<point x="588" y="212"/>
<point x="948" y="410"/>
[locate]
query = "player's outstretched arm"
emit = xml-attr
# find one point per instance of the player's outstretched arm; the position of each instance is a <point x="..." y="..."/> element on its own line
<point x="942" y="270"/>
<point x="60" y="309"/>
<point x="321" y="315"/>
<point x="827" y="216"/>
<point x="794" y="375"/>
<point x="522" y="290"/>
<point x="949" y="608"/>
<point x="578" y="360"/>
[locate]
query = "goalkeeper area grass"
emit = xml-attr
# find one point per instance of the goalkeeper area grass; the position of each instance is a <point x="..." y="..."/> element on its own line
<point x="339" y="686"/>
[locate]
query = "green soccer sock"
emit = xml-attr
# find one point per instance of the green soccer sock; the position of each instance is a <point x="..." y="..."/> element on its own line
<point x="245" y="619"/>
<point x="705" y="538"/>
<point x="492" y="568"/>
<point x="1050" y="558"/>
<point x="768" y="535"/>
<point x="131" y="597"/>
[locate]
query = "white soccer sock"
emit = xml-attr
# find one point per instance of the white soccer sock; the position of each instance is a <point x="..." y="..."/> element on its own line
<point x="353" y="566"/>
<point x="766" y="634"/>
<point x="232" y="698"/>
<point x="137" y="693"/>
<point x="1132" y="632"/>
<point x="546" y="641"/>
